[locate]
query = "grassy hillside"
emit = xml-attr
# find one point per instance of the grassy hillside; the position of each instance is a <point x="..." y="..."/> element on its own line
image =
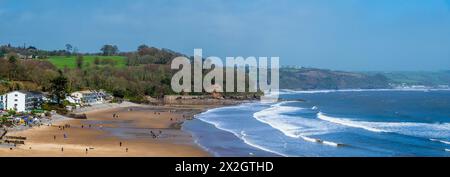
<point x="70" y="62"/>
<point x="316" y="79"/>
<point x="419" y="78"/>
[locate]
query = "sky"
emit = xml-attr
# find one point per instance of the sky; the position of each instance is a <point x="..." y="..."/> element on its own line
<point x="353" y="35"/>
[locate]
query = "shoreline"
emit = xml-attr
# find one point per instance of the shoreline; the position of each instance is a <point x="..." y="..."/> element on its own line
<point x="139" y="131"/>
<point x="222" y="142"/>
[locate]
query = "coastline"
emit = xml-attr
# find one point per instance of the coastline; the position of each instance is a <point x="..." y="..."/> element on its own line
<point x="220" y="141"/>
<point x="137" y="131"/>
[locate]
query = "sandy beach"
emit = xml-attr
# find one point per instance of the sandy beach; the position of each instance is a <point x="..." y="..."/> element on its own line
<point x="113" y="131"/>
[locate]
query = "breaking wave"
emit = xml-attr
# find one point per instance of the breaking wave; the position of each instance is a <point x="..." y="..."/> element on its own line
<point x="441" y="141"/>
<point x="423" y="130"/>
<point x="294" y="126"/>
<point x="287" y="91"/>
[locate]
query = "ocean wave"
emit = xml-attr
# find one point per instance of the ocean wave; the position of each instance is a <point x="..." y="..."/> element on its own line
<point x="423" y="130"/>
<point x="287" y="91"/>
<point x="246" y="141"/>
<point x="241" y="137"/>
<point x="348" y="122"/>
<point x="447" y="150"/>
<point x="294" y="126"/>
<point x="441" y="141"/>
<point x="276" y="118"/>
<point x="206" y="117"/>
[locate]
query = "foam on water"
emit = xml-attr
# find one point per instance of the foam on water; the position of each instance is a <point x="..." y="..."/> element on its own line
<point x="293" y="126"/>
<point x="441" y="141"/>
<point x="287" y="91"/>
<point x="423" y="130"/>
<point x="305" y="128"/>
<point x="206" y="117"/>
<point x="347" y="122"/>
<point x="244" y="138"/>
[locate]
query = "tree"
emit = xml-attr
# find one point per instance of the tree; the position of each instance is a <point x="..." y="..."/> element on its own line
<point x="109" y="50"/>
<point x="69" y="48"/>
<point x="119" y="93"/>
<point x="13" y="65"/>
<point x="80" y="62"/>
<point x="12" y="59"/>
<point x="142" y="49"/>
<point x="59" y="88"/>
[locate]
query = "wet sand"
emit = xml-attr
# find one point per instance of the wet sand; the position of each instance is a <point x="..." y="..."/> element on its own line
<point x="146" y="131"/>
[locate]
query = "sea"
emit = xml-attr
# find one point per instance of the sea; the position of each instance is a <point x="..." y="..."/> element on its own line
<point x="330" y="123"/>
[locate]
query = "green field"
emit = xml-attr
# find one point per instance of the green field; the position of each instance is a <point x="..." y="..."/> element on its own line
<point x="70" y="62"/>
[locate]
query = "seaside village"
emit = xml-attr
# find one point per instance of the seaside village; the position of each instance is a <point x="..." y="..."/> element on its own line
<point x="23" y="109"/>
<point x="20" y="109"/>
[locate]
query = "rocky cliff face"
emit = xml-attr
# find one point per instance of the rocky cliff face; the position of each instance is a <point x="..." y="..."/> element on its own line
<point x="310" y="78"/>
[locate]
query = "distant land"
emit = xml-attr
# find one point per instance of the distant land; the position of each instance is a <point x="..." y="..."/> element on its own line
<point x="116" y="71"/>
<point x="319" y="79"/>
<point x="425" y="78"/>
<point x="316" y="79"/>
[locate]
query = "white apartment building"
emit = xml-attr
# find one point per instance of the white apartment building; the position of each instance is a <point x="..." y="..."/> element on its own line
<point x="21" y="101"/>
<point x="87" y="97"/>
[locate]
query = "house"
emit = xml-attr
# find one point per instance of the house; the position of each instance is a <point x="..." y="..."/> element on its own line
<point x="2" y="102"/>
<point x="21" y="101"/>
<point x="87" y="97"/>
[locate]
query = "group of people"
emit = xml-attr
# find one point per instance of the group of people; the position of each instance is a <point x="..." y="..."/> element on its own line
<point x="82" y="126"/>
<point x="120" y="144"/>
<point x="64" y="127"/>
<point x="156" y="135"/>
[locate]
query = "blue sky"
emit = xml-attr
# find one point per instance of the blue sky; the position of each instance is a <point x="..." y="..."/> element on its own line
<point x="335" y="34"/>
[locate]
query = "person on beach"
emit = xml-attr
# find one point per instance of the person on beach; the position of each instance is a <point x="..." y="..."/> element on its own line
<point x="126" y="149"/>
<point x="54" y="137"/>
<point x="120" y="144"/>
<point x="62" y="149"/>
<point x="87" y="150"/>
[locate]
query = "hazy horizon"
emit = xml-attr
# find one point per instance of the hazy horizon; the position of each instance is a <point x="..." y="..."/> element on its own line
<point x="350" y="35"/>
